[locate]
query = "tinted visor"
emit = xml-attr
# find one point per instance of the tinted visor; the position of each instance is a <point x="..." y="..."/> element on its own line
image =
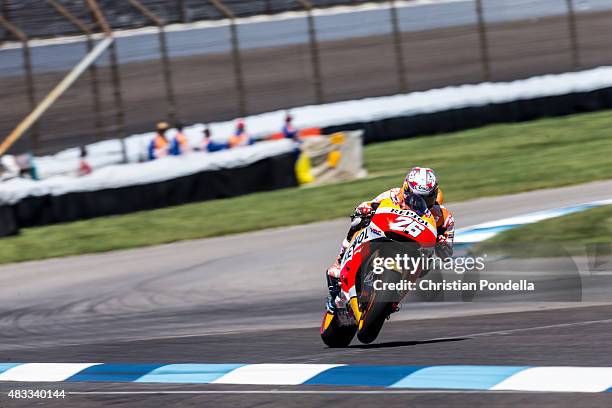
<point x="428" y="199"/>
<point x="416" y="203"/>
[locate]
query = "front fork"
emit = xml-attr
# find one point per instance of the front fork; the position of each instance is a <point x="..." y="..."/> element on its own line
<point x="354" y="304"/>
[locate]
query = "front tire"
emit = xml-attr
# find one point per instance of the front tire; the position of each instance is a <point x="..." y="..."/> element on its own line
<point x="379" y="307"/>
<point x="373" y="322"/>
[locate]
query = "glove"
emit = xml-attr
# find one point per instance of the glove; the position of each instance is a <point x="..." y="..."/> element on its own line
<point x="362" y="213"/>
<point x="444" y="246"/>
<point x="360" y="219"/>
<point x="363" y="210"/>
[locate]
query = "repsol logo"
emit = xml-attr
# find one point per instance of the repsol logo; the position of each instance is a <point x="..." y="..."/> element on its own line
<point x="403" y="212"/>
<point x="351" y="250"/>
<point x="362" y="235"/>
<point x="410" y="214"/>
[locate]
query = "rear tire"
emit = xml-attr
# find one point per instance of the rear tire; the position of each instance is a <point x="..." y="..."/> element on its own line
<point x="333" y="334"/>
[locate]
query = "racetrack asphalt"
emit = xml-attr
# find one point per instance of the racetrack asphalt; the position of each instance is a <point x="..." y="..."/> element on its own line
<point x="258" y="297"/>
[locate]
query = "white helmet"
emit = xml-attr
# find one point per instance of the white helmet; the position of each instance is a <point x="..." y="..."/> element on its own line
<point x="421" y="181"/>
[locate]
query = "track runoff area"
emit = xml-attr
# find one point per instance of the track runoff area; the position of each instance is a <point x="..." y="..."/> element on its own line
<point x="551" y="352"/>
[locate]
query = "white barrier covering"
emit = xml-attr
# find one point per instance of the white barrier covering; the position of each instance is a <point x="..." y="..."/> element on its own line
<point x="370" y="109"/>
<point x="116" y="176"/>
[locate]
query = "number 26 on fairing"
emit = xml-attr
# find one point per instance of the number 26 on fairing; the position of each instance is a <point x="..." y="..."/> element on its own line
<point x="407" y="225"/>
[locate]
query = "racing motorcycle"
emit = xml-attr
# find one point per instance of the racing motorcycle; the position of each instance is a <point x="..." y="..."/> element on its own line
<point x="371" y="292"/>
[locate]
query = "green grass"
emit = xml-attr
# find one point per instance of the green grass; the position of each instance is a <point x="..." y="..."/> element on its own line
<point x="488" y="161"/>
<point x="570" y="233"/>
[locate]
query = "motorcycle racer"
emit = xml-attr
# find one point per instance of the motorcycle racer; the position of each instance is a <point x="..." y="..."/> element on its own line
<point x="421" y="181"/>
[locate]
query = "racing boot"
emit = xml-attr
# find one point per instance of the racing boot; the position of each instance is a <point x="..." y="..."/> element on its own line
<point x="333" y="284"/>
<point x="333" y="278"/>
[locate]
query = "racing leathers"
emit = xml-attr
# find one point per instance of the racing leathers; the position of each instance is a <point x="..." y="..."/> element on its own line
<point x="361" y="218"/>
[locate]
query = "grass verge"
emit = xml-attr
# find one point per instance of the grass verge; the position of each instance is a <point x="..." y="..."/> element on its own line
<point x="493" y="160"/>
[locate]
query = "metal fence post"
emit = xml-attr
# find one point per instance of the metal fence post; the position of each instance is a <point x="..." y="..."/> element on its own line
<point x="93" y="71"/>
<point x="29" y="75"/>
<point x="237" y="60"/>
<point x="182" y="11"/>
<point x="163" y="50"/>
<point x="399" y="52"/>
<point x="116" y="77"/>
<point x="317" y="78"/>
<point x="242" y="109"/>
<point x="573" y="32"/>
<point x="118" y="98"/>
<point x="4" y="12"/>
<point x="484" y="41"/>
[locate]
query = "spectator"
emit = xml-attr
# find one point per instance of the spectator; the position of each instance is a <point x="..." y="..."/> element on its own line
<point x="288" y="130"/>
<point x="84" y="167"/>
<point x="28" y="166"/>
<point x="180" y="144"/>
<point x="208" y="145"/>
<point x="17" y="166"/>
<point x="158" y="147"/>
<point x="240" y="137"/>
<point x="9" y="168"/>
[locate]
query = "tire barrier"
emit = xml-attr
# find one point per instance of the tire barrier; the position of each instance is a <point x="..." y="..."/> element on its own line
<point x="270" y="173"/>
<point x="8" y="223"/>
<point x="452" y="120"/>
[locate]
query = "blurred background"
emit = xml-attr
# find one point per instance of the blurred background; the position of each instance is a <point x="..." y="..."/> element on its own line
<point x="198" y="61"/>
<point x="508" y="100"/>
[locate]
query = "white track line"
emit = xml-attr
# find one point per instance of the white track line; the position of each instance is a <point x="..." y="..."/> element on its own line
<point x="44" y="372"/>
<point x="561" y="379"/>
<point x="352" y="392"/>
<point x="280" y="374"/>
<point x="549" y="326"/>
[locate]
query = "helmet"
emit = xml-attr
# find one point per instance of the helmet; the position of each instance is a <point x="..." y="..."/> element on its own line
<point x="421" y="181"/>
<point x="162" y="126"/>
<point x="240" y="124"/>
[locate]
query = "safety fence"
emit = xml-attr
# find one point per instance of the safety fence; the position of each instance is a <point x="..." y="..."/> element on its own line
<point x="216" y="63"/>
<point x="121" y="188"/>
<point x="383" y="118"/>
<point x="37" y="19"/>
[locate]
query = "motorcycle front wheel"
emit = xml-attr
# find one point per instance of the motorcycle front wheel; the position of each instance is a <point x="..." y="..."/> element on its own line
<point x="379" y="306"/>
